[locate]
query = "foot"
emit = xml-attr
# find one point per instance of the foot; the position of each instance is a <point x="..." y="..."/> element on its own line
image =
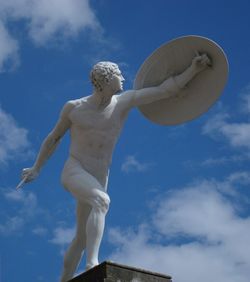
<point x="90" y="265"/>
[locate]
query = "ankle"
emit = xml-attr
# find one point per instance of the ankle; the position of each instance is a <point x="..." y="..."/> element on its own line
<point x="91" y="265"/>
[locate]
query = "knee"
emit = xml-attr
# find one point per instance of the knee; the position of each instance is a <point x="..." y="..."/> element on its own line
<point x="101" y="202"/>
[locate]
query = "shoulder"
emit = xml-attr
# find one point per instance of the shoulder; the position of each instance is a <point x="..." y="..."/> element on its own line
<point x="125" y="101"/>
<point x="73" y="103"/>
<point x="126" y="97"/>
<point x="69" y="106"/>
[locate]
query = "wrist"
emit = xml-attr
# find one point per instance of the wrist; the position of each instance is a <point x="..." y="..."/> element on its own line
<point x="36" y="168"/>
<point x="193" y="70"/>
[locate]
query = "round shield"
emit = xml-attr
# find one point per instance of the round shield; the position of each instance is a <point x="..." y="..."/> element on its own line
<point x="200" y="93"/>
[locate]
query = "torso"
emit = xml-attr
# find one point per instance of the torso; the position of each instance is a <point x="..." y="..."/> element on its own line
<point x="94" y="134"/>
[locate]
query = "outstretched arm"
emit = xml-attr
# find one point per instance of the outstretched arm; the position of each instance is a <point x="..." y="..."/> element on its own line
<point x="170" y="86"/>
<point x="49" y="144"/>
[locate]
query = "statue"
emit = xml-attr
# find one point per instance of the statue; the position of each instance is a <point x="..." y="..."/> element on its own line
<point x="95" y="123"/>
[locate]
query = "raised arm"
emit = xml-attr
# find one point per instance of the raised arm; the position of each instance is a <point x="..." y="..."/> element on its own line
<point x="49" y="144"/>
<point x="170" y="86"/>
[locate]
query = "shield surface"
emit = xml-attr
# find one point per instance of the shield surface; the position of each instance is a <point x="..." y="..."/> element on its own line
<point x="200" y="93"/>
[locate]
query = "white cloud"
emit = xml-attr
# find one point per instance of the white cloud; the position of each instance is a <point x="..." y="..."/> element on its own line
<point x="46" y="18"/>
<point x="237" y="134"/>
<point x="62" y="236"/>
<point x="218" y="161"/>
<point x="195" y="234"/>
<point x="132" y="164"/>
<point x="246" y="99"/>
<point x="8" y="50"/>
<point x="44" y="21"/>
<point x="245" y="103"/>
<point x="40" y="231"/>
<point x="25" y="210"/>
<point x="13" y="139"/>
<point x="50" y="17"/>
<point x="239" y="178"/>
<point x="224" y="160"/>
<point x="27" y="199"/>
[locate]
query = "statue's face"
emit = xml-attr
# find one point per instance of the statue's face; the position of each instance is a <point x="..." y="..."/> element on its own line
<point x="116" y="82"/>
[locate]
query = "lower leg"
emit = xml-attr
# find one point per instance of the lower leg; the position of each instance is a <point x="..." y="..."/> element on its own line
<point x="94" y="232"/>
<point x="72" y="258"/>
<point x="75" y="251"/>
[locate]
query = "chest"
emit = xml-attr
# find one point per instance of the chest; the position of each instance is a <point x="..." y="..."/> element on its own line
<point x="85" y="117"/>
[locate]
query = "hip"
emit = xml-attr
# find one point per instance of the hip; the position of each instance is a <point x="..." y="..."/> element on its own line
<point x="74" y="167"/>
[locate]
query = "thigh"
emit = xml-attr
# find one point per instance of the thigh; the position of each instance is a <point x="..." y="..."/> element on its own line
<point x="83" y="186"/>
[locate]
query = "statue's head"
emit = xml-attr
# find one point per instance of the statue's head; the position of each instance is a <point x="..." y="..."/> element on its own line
<point x="102" y="73"/>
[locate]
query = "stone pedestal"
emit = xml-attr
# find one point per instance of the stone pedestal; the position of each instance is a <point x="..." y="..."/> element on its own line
<point x="113" y="272"/>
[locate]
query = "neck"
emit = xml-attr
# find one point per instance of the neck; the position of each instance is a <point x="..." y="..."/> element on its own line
<point x="100" y="99"/>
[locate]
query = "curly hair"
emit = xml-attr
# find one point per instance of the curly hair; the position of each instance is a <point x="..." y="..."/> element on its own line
<point x="101" y="73"/>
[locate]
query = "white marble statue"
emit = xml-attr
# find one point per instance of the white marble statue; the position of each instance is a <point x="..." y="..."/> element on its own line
<point x="95" y="123"/>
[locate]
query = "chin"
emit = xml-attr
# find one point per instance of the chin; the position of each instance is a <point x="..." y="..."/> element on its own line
<point x="119" y="90"/>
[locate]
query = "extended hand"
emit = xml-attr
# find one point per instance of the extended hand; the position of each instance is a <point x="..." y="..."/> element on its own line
<point x="29" y="174"/>
<point x="200" y="62"/>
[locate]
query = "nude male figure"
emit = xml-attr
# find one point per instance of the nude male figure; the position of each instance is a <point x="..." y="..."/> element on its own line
<point x="95" y="123"/>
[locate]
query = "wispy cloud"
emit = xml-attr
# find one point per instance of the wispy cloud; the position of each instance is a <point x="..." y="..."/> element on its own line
<point x="132" y="164"/>
<point x="40" y="231"/>
<point x="245" y="98"/>
<point x="224" y="160"/>
<point x="195" y="234"/>
<point x="236" y="133"/>
<point x="221" y="125"/>
<point x="44" y="20"/>
<point x="8" y="50"/>
<point x="241" y="178"/>
<point x="13" y="139"/>
<point x="26" y="209"/>
<point x="212" y="162"/>
<point x="62" y="236"/>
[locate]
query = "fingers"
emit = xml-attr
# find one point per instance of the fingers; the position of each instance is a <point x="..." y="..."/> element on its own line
<point x="28" y="174"/>
<point x="206" y="60"/>
<point x="197" y="54"/>
<point x="25" y="173"/>
<point x="21" y="183"/>
<point x="202" y="59"/>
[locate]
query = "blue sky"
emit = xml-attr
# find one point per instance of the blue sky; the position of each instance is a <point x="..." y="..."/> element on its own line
<point x="179" y="195"/>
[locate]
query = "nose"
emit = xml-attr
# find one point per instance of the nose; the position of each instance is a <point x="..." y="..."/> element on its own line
<point x="122" y="78"/>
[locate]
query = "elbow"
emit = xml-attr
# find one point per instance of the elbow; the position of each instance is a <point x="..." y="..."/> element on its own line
<point x="161" y="90"/>
<point x="52" y="140"/>
<point x="146" y="96"/>
<point x="169" y="87"/>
